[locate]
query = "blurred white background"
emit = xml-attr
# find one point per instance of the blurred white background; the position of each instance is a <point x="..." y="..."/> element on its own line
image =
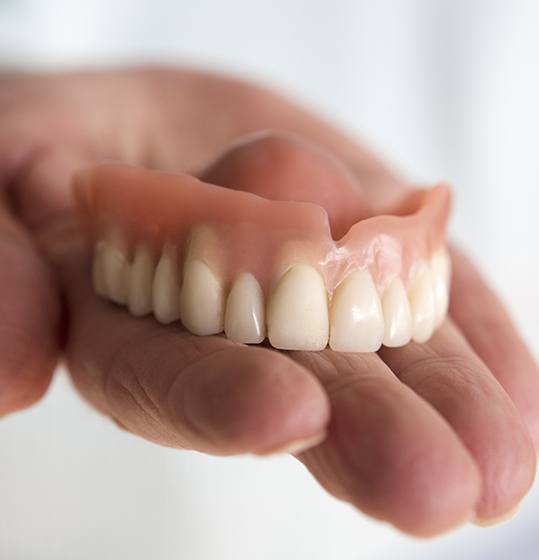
<point x="444" y="90"/>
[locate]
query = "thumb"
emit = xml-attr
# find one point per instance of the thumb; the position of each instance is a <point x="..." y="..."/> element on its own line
<point x="281" y="166"/>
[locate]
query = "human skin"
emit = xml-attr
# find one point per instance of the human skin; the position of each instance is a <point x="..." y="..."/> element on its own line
<point x="423" y="437"/>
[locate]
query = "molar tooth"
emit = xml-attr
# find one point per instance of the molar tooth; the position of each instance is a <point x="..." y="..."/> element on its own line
<point x="441" y="273"/>
<point x="202" y="299"/>
<point x="116" y="272"/>
<point x="298" y="311"/>
<point x="357" y="322"/>
<point x="421" y="298"/>
<point x="244" y="317"/>
<point x="98" y="269"/>
<point x="166" y="287"/>
<point x="141" y="283"/>
<point x="397" y="315"/>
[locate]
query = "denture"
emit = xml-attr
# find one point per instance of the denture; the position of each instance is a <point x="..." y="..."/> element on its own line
<point x="232" y="261"/>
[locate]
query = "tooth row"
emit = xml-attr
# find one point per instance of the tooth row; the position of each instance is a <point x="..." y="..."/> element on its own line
<point x="298" y="315"/>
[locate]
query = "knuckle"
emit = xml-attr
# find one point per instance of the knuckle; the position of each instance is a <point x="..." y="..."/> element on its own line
<point x="124" y="385"/>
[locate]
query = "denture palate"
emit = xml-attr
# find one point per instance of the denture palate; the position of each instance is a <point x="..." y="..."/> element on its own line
<point x="223" y="260"/>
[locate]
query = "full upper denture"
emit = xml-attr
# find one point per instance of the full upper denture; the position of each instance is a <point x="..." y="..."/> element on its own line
<point x="228" y="260"/>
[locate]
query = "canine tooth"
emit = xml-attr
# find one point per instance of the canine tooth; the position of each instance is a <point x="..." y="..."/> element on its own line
<point x="397" y="315"/>
<point x="421" y="298"/>
<point x="356" y="319"/>
<point x="98" y="270"/>
<point x="166" y="287"/>
<point x="141" y="282"/>
<point x="116" y="272"/>
<point x="441" y="272"/>
<point x="244" y="316"/>
<point x="297" y="312"/>
<point x="202" y="299"/>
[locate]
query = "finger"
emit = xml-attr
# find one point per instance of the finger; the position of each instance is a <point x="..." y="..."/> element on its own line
<point x="475" y="308"/>
<point x="500" y="346"/>
<point x="387" y="451"/>
<point x="166" y="385"/>
<point x="232" y="399"/>
<point x="447" y="373"/>
<point x="29" y="309"/>
<point x="264" y="168"/>
<point x="181" y="390"/>
<point x="491" y="332"/>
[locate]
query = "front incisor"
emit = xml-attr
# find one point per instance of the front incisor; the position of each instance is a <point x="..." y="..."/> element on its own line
<point x="202" y="299"/>
<point x="244" y="316"/>
<point x="357" y="322"/>
<point x="297" y="311"/>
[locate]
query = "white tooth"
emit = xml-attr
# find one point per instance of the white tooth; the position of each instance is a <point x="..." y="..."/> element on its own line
<point x="140" y="286"/>
<point x="421" y="298"/>
<point x="357" y="322"/>
<point x="397" y="315"/>
<point x="244" y="317"/>
<point x="166" y="287"/>
<point x="98" y="270"/>
<point x="297" y="312"/>
<point x="116" y="272"/>
<point x="441" y="273"/>
<point x="202" y="299"/>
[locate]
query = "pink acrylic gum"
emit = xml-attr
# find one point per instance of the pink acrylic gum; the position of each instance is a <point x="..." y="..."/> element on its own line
<point x="234" y="231"/>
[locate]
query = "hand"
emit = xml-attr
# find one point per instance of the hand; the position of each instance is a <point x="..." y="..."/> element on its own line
<point x="424" y="436"/>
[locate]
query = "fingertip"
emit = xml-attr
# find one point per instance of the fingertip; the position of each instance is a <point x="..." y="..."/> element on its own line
<point x="508" y="473"/>
<point x="248" y="400"/>
<point x="29" y="324"/>
<point x="432" y="494"/>
<point x="485" y="523"/>
<point x="25" y="372"/>
<point x="440" y="500"/>
<point x="397" y="460"/>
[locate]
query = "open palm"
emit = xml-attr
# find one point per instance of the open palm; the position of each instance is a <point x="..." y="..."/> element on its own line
<point x="424" y="437"/>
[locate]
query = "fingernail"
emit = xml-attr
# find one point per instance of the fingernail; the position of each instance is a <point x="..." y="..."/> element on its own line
<point x="297" y="446"/>
<point x="497" y="520"/>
